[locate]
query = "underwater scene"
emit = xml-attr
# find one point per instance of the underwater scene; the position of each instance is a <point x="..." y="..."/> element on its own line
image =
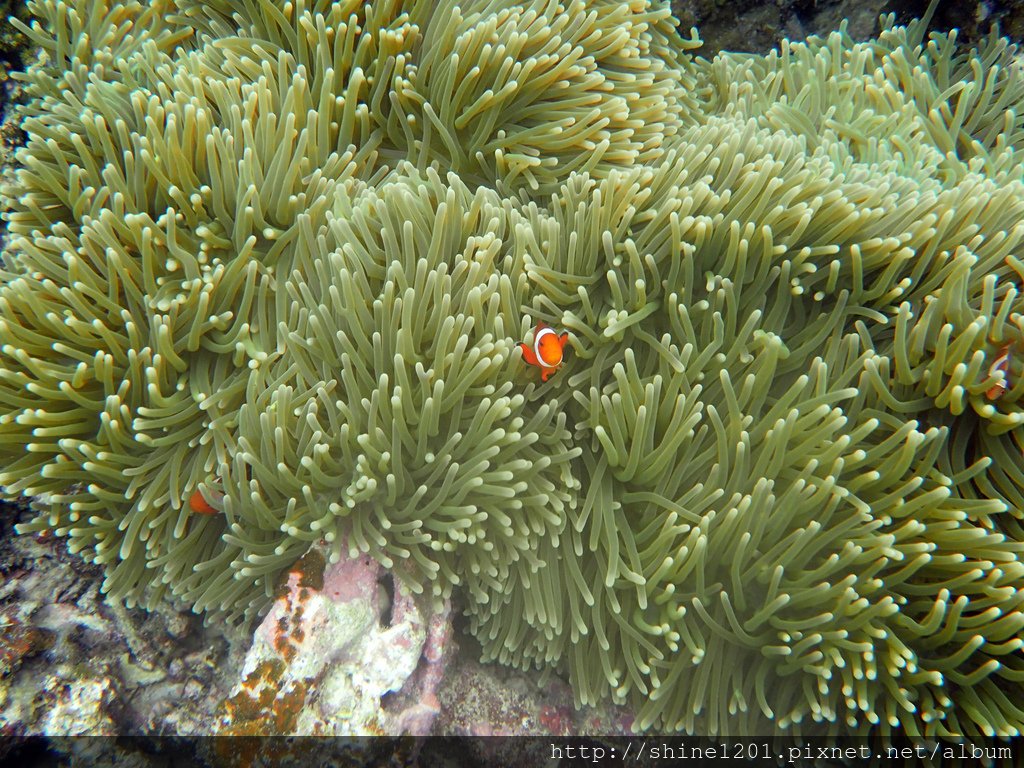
<point x="493" y="368"/>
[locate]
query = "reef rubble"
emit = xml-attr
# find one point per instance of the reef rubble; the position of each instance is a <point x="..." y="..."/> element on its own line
<point x="346" y="650"/>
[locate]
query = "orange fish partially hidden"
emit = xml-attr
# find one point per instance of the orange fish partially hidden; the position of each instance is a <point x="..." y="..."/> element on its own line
<point x="1000" y="365"/>
<point x="546" y="352"/>
<point x="197" y="502"/>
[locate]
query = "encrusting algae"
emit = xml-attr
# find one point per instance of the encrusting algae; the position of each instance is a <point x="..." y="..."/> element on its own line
<point x="285" y="253"/>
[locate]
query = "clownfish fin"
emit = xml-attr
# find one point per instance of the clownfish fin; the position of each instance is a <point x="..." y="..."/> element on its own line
<point x="528" y="354"/>
<point x="1001" y="365"/>
<point x="993" y="392"/>
<point x="563" y="338"/>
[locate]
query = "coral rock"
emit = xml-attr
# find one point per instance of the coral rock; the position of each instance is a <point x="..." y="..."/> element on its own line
<point x="18" y="638"/>
<point x="325" y="656"/>
<point x="79" y="709"/>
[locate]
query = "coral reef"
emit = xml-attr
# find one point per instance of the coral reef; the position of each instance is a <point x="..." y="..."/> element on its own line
<point x="70" y="663"/>
<point x="280" y="256"/>
<point x="487" y="700"/>
<point x="325" y="657"/>
<point x="13" y="43"/>
<point x="757" y="26"/>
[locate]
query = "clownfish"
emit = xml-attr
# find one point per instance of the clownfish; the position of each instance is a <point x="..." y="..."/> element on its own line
<point x="1000" y="365"/>
<point x="197" y="502"/>
<point x="546" y="352"/>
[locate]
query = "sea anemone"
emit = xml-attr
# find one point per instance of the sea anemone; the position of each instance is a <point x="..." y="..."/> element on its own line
<point x="281" y="255"/>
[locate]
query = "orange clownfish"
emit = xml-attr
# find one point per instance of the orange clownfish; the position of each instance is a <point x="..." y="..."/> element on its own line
<point x="1000" y="365"/>
<point x="198" y="503"/>
<point x="546" y="352"/>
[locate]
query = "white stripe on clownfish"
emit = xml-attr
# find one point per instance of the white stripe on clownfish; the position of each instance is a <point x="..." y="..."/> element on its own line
<point x="1000" y="367"/>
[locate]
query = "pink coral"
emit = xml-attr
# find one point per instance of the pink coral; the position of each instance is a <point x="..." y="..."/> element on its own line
<point x="418" y="718"/>
<point x="324" y="657"/>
